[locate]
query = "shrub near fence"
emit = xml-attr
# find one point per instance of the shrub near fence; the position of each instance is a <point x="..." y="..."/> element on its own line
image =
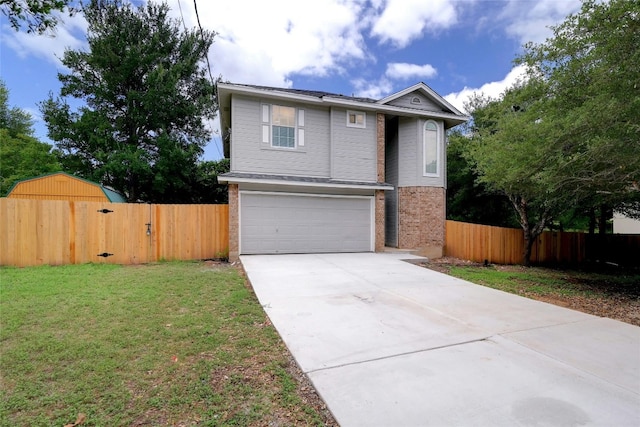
<point x="500" y="245"/>
<point x="35" y="232"/>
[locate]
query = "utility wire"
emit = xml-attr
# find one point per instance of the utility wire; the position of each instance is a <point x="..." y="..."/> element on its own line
<point x="195" y="6"/>
<point x="182" y="17"/>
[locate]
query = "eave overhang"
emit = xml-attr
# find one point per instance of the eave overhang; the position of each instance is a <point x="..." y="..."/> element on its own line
<point x="300" y="181"/>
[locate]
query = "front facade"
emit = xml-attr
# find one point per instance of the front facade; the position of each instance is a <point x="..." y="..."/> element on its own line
<point x="319" y="172"/>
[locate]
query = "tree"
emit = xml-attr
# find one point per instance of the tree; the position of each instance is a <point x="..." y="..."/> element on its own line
<point x="513" y="151"/>
<point x="142" y="129"/>
<point x="15" y="120"/>
<point x="208" y="189"/>
<point x="467" y="199"/>
<point x="567" y="138"/>
<point x="21" y="155"/>
<point x="38" y="15"/>
<point x="592" y="64"/>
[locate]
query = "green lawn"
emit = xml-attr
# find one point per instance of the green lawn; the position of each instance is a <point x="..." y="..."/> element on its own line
<point x="603" y="291"/>
<point x="547" y="281"/>
<point x="162" y="344"/>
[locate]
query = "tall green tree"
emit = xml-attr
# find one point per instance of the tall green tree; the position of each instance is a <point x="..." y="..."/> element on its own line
<point x="21" y="155"/>
<point x="36" y="15"/>
<point x="514" y="151"/>
<point x="592" y="63"/>
<point x="147" y="97"/>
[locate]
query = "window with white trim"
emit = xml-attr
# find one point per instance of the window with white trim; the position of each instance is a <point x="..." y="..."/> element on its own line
<point x="431" y="149"/>
<point x="280" y="124"/>
<point x="283" y="126"/>
<point x="356" y="119"/>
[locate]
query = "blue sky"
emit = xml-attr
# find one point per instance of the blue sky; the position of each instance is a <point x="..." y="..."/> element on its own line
<point x="367" y="48"/>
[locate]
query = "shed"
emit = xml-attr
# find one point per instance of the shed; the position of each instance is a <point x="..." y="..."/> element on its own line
<point x="62" y="186"/>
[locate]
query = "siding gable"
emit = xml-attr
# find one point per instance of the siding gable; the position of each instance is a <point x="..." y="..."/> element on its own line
<point x="408" y="101"/>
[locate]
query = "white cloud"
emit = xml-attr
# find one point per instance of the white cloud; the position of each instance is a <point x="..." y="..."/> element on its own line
<point x="402" y="21"/>
<point x="266" y="42"/>
<point x="69" y="33"/>
<point x="492" y="89"/>
<point x="530" y="21"/>
<point x="374" y="89"/>
<point x="404" y="71"/>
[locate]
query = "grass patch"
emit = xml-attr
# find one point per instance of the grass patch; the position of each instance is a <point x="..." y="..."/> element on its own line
<point x="162" y="344"/>
<point x="540" y="281"/>
<point x="531" y="280"/>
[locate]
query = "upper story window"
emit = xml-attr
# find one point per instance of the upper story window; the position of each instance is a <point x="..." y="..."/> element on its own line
<point x="356" y="119"/>
<point x="282" y="126"/>
<point x="431" y="149"/>
<point x="416" y="100"/>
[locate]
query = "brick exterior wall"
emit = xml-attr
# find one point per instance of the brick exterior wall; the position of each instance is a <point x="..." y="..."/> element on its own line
<point x="234" y="232"/>
<point x="421" y="219"/>
<point x="379" y="195"/>
<point x="379" y="218"/>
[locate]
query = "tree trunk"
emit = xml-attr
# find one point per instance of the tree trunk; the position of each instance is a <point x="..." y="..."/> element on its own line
<point x="592" y="221"/>
<point x="602" y="223"/>
<point x="528" y="247"/>
<point x="530" y="232"/>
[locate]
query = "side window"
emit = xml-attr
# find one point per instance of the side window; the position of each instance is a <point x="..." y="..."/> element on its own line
<point x="431" y="149"/>
<point x="356" y="119"/>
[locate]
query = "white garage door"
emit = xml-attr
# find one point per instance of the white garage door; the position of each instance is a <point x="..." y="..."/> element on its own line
<point x="277" y="223"/>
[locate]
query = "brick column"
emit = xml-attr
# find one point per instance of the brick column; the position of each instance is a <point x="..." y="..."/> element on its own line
<point x="421" y="218"/>
<point x="234" y="232"/>
<point x="379" y="215"/>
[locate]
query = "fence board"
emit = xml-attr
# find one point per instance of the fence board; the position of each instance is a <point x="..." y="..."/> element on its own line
<point x="35" y="232"/>
<point x="499" y="245"/>
<point x="482" y="242"/>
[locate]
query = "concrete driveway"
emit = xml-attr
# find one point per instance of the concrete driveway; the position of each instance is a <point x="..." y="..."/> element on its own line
<point x="388" y="343"/>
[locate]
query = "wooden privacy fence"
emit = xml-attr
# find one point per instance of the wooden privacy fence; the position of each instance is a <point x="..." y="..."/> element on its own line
<point x="35" y="232"/>
<point x="504" y="246"/>
<point x="479" y="242"/>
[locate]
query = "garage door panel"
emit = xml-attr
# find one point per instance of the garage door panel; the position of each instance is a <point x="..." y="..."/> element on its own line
<point x="304" y="224"/>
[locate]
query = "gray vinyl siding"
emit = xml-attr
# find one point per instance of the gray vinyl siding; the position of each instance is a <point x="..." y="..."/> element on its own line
<point x="391" y="177"/>
<point x="249" y="154"/>
<point x="353" y="150"/>
<point x="410" y="155"/>
<point x="425" y="103"/>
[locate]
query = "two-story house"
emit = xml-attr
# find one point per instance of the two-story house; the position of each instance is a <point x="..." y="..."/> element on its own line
<point x="319" y="172"/>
